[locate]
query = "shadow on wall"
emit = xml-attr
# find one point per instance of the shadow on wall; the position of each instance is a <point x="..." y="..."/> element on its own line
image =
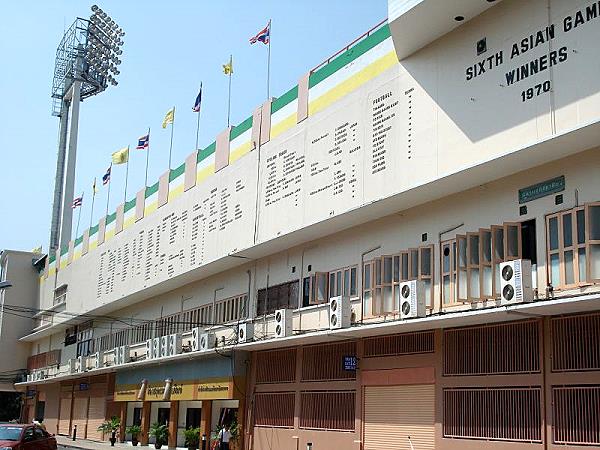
<point x="513" y="66"/>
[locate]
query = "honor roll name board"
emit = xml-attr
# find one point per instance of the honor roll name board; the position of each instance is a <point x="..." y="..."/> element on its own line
<point x="210" y="221"/>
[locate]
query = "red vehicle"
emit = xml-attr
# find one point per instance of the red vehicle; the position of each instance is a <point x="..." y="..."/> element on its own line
<point x="15" y="436"/>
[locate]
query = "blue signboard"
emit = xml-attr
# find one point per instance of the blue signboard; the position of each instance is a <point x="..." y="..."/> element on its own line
<point x="350" y="362"/>
<point x="84" y="386"/>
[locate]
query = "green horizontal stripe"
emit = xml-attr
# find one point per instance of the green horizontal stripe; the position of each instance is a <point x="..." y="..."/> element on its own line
<point x="64" y="249"/>
<point x="203" y="154"/>
<point x="94" y="230"/>
<point x="349" y="55"/>
<point x="111" y="218"/>
<point x="52" y="258"/>
<point x="152" y="189"/>
<point x="286" y="98"/>
<point x="129" y="205"/>
<point x="176" y="172"/>
<point x="78" y="241"/>
<point x="241" y="128"/>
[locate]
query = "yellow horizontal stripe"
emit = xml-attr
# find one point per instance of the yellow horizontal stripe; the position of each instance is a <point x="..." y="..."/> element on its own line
<point x="175" y="192"/>
<point x="63" y="262"/>
<point x="284" y="125"/>
<point x="130" y="221"/>
<point x="203" y="174"/>
<point x="109" y="234"/>
<point x="352" y="83"/>
<point x="239" y="152"/>
<point x="93" y="245"/>
<point x="77" y="255"/>
<point x="51" y="271"/>
<point x="150" y="208"/>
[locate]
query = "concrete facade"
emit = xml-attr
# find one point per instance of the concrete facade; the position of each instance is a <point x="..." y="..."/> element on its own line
<point x="433" y="155"/>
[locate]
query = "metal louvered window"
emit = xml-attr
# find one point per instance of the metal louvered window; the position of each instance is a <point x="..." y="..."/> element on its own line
<point x="576" y="412"/>
<point x="276" y="366"/>
<point x="328" y="410"/>
<point x="325" y="362"/>
<point x="399" y="344"/>
<point x="576" y="343"/>
<point x="492" y="349"/>
<point x="274" y="409"/>
<point x="506" y="414"/>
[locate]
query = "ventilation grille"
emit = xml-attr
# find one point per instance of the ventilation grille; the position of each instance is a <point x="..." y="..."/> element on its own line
<point x="577" y="415"/>
<point x="328" y="410"/>
<point x="276" y="366"/>
<point x="507" y="414"/>
<point x="325" y="362"/>
<point x="274" y="409"/>
<point x="576" y="343"/>
<point x="495" y="349"/>
<point x="400" y="344"/>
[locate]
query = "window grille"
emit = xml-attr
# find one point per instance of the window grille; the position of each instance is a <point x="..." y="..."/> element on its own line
<point x="575" y="343"/>
<point x="326" y="362"/>
<point x="576" y="415"/>
<point x="400" y="344"/>
<point x="274" y="409"/>
<point x="328" y="410"/>
<point x="505" y="414"/>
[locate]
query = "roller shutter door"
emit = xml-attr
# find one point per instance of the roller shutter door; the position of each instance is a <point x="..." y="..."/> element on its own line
<point x="80" y="408"/>
<point x="64" y="418"/>
<point x="393" y="413"/>
<point x="95" y="417"/>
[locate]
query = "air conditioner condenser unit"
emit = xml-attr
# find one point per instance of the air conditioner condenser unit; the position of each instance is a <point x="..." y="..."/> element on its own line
<point x="412" y="299"/>
<point x="516" y="282"/>
<point x="340" y="312"/>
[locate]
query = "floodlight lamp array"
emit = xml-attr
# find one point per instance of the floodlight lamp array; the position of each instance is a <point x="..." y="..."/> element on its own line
<point x="103" y="47"/>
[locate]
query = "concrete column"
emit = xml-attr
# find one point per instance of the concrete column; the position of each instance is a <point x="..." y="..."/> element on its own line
<point x="205" y="420"/>
<point x="123" y="417"/>
<point x="145" y="438"/>
<point x="173" y="419"/>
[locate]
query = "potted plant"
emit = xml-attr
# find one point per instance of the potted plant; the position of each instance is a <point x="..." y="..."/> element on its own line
<point x="192" y="438"/>
<point x="135" y="431"/>
<point x="160" y="432"/>
<point x="111" y="426"/>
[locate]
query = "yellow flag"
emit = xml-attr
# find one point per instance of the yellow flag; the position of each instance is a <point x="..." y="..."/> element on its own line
<point x="121" y="156"/>
<point x="228" y="68"/>
<point x="37" y="250"/>
<point x="169" y="117"/>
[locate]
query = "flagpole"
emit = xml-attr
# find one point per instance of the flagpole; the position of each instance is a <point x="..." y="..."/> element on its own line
<point x="79" y="217"/>
<point x="269" y="62"/>
<point x="229" y="99"/>
<point x="198" y="124"/>
<point x="147" y="159"/>
<point x="93" y="198"/>
<point x="171" y="146"/>
<point x="126" y="176"/>
<point x="108" y="193"/>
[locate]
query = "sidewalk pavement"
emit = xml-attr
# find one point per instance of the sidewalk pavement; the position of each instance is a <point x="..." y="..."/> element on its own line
<point x="67" y="442"/>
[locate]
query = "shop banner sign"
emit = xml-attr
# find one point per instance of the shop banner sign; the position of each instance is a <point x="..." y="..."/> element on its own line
<point x="542" y="189"/>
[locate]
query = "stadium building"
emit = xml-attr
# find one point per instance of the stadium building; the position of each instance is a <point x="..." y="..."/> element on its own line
<point x="402" y="251"/>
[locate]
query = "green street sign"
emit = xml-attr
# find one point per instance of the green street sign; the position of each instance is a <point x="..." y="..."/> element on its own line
<point x="542" y="189"/>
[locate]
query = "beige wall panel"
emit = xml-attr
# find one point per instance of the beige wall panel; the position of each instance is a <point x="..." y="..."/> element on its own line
<point x="189" y="180"/>
<point x="163" y="189"/>
<point x="265" y="126"/>
<point x="70" y="253"/>
<point x="256" y="126"/>
<point x="79" y="417"/>
<point x="282" y="169"/>
<point x="222" y="149"/>
<point x="303" y="98"/>
<point x="140" y="201"/>
<point x="120" y="218"/>
<point x="86" y="242"/>
<point x="101" y="230"/>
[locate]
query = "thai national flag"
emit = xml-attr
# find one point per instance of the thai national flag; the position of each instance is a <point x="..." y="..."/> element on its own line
<point x="263" y="35"/>
<point x="106" y="176"/>
<point x="77" y="202"/>
<point x="143" y="142"/>
<point x="198" y="102"/>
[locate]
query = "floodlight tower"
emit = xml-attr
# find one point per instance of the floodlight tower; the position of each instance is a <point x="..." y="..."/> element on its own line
<point x="86" y="64"/>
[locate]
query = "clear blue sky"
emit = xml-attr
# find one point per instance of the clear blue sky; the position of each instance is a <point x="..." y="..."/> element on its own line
<point x="170" y="46"/>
